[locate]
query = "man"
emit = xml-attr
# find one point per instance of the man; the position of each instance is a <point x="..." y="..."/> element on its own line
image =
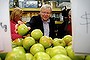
<point x="43" y="21"/>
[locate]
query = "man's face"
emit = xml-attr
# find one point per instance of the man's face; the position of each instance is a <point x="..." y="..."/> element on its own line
<point x="45" y="13"/>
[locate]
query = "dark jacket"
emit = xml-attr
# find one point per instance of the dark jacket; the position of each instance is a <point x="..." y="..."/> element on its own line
<point x="36" y="23"/>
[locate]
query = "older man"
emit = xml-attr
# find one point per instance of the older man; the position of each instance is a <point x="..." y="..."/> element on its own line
<point x="43" y="21"/>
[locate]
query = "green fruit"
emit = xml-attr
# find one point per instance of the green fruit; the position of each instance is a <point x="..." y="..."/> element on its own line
<point x="18" y="41"/>
<point x="29" y="56"/>
<point x="49" y="51"/>
<point x="72" y="55"/>
<point x="45" y="41"/>
<point x="15" y="56"/>
<point x="28" y="42"/>
<point x="14" y="44"/>
<point x="17" y="53"/>
<point x="41" y="56"/>
<point x="87" y="57"/>
<point x="36" y="34"/>
<point x="18" y="49"/>
<point x="70" y="43"/>
<point x="58" y="42"/>
<point x="37" y="48"/>
<point x="67" y="39"/>
<point x="60" y="57"/>
<point x="22" y="29"/>
<point x="58" y="50"/>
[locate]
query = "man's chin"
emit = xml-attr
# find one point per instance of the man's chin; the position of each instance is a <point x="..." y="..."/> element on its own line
<point x="45" y="19"/>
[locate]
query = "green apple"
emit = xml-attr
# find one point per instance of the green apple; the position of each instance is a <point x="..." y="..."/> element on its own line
<point x="60" y="57"/>
<point x="79" y="57"/>
<point x="14" y="55"/>
<point x="58" y="50"/>
<point x="45" y="41"/>
<point x="37" y="48"/>
<point x="13" y="44"/>
<point x="58" y="42"/>
<point x="28" y="42"/>
<point x="29" y="56"/>
<point x="41" y="56"/>
<point x="67" y="39"/>
<point x="36" y="34"/>
<point x="49" y="51"/>
<point x="19" y="49"/>
<point x="87" y="57"/>
<point x="72" y="55"/>
<point x="17" y="53"/>
<point x="70" y="43"/>
<point x="22" y="29"/>
<point x="70" y="52"/>
<point x="18" y="41"/>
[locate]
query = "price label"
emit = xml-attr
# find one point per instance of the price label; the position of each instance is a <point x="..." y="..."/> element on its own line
<point x="81" y="26"/>
<point x="5" y="35"/>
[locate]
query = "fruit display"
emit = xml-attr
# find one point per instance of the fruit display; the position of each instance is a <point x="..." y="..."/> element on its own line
<point x="39" y="47"/>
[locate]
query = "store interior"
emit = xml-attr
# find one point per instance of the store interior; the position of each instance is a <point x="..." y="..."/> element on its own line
<point x="32" y="8"/>
<point x="37" y="46"/>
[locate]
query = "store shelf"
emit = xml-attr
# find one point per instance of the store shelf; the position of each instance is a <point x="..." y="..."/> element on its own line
<point x="28" y="9"/>
<point x="37" y="9"/>
<point x="56" y="9"/>
<point x="58" y="22"/>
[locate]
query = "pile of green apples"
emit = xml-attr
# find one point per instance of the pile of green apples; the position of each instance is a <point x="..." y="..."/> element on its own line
<point x="39" y="47"/>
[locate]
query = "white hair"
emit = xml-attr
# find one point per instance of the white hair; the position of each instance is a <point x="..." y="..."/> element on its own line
<point x="46" y="6"/>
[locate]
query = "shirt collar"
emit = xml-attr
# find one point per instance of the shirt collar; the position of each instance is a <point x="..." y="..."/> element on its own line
<point x="46" y="21"/>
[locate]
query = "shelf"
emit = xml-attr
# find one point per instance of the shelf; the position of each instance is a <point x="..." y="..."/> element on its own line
<point x="56" y="9"/>
<point x="37" y="9"/>
<point x="28" y="9"/>
<point x="58" y="22"/>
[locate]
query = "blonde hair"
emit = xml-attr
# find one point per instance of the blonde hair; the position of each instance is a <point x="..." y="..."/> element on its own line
<point x="46" y="6"/>
<point x="16" y="12"/>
